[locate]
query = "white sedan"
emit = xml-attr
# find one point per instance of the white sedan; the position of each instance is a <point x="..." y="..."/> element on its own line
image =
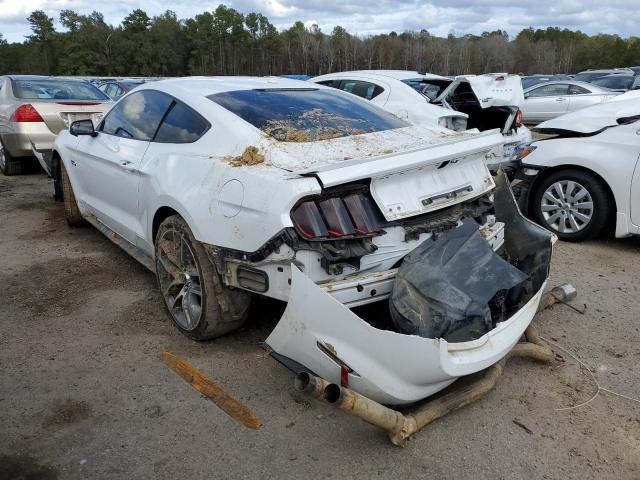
<point x="232" y="187"/>
<point x="545" y="101"/>
<point x="482" y="102"/>
<point x="587" y="175"/>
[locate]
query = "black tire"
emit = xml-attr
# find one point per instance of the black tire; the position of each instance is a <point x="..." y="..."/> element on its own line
<point x="71" y="211"/>
<point x="222" y="309"/>
<point x="602" y="206"/>
<point x="58" y="194"/>
<point x="8" y="164"/>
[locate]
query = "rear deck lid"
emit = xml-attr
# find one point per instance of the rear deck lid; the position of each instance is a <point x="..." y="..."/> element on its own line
<point x="491" y="89"/>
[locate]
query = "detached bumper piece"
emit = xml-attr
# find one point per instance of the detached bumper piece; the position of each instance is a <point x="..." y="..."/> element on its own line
<point x="459" y="308"/>
<point x="400" y="426"/>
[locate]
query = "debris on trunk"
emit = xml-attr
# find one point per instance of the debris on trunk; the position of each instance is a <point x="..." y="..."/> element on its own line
<point x="250" y="156"/>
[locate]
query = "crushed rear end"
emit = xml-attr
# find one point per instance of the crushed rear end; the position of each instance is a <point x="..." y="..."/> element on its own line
<point x="457" y="273"/>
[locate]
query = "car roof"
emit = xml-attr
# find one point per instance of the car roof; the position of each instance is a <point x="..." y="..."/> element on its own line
<point x="608" y="70"/>
<point x="206" y="86"/>
<point x="578" y="83"/>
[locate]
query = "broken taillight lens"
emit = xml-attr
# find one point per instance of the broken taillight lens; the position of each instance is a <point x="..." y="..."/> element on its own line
<point x="349" y="216"/>
<point x="518" y="118"/>
<point x="26" y="113"/>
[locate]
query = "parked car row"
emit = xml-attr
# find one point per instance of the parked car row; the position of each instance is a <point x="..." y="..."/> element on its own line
<point x="333" y="193"/>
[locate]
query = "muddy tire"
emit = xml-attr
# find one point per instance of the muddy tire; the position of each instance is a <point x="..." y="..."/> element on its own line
<point x="573" y="204"/>
<point x="8" y="164"/>
<point x="71" y="211"/>
<point x="197" y="301"/>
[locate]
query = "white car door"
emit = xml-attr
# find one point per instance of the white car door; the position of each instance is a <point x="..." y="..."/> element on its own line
<point x="108" y="164"/>
<point x="546" y="102"/>
<point x="580" y="97"/>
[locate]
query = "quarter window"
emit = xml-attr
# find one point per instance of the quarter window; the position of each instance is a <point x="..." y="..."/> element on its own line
<point x="362" y="89"/>
<point x="181" y="125"/>
<point x="549" y="90"/>
<point x="577" y="90"/>
<point x="137" y="116"/>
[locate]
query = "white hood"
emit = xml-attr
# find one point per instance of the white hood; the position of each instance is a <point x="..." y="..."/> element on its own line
<point x="595" y="118"/>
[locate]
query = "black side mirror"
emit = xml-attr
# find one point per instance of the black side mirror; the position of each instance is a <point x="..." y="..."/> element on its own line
<point x="82" y="127"/>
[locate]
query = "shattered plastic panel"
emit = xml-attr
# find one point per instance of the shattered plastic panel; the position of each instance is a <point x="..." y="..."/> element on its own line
<point x="444" y="287"/>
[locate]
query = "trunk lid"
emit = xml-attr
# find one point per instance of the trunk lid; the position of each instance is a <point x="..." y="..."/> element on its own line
<point x="491" y="89"/>
<point x="412" y="170"/>
<point x="58" y="115"/>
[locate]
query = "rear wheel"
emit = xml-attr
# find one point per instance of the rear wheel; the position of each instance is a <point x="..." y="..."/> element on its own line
<point x="71" y="211"/>
<point x="8" y="164"/>
<point x="199" y="304"/>
<point x="572" y="204"/>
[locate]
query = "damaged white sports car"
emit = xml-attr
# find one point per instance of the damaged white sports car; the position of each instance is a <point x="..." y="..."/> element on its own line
<point x="230" y="187"/>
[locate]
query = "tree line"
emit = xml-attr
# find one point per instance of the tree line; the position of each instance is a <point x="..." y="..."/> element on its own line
<point x="228" y="42"/>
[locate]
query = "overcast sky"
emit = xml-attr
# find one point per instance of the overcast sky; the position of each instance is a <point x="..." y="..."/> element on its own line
<point x="439" y="17"/>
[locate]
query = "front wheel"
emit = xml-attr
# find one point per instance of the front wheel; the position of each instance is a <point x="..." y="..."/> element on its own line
<point x="572" y="204"/>
<point x="199" y="304"/>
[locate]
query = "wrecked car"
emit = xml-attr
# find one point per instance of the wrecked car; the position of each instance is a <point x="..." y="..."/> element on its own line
<point x="584" y="175"/>
<point x="482" y="102"/>
<point x="233" y="187"/>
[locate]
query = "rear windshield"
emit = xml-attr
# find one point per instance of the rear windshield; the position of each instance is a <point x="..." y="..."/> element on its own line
<point x="306" y="115"/>
<point x="56" y="89"/>
<point x="616" y="81"/>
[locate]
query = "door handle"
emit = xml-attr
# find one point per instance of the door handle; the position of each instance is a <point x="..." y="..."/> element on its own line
<point x="560" y="99"/>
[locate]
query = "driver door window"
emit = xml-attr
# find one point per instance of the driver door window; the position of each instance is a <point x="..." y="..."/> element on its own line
<point x="362" y="89"/>
<point x="137" y="116"/>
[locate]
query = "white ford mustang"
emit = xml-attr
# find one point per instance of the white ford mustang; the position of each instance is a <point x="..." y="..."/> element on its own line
<point x="232" y="187"/>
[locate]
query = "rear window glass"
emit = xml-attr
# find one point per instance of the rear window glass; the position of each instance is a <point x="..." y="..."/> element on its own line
<point x="56" y="90"/>
<point x="306" y="115"/>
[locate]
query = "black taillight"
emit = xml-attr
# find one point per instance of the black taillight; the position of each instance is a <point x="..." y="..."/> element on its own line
<point x="308" y="221"/>
<point x="335" y="213"/>
<point x="350" y="216"/>
<point x="363" y="214"/>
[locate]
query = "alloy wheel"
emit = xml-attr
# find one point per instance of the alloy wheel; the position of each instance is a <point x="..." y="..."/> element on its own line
<point x="567" y="206"/>
<point x="179" y="279"/>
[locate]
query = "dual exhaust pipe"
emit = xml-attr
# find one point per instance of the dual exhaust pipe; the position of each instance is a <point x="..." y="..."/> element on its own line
<point x="400" y="426"/>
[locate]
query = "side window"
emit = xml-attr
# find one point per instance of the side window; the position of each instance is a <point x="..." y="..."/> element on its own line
<point x="577" y="90"/>
<point x="137" y="116"/>
<point x="549" y="90"/>
<point x="111" y="89"/>
<point x="117" y="91"/>
<point x="362" y="89"/>
<point x="331" y="83"/>
<point x="181" y="125"/>
<point x="103" y="87"/>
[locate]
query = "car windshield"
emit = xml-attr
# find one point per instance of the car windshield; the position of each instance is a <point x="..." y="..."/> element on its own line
<point x="616" y="81"/>
<point x="589" y="77"/>
<point x="56" y="89"/>
<point x="306" y="115"/>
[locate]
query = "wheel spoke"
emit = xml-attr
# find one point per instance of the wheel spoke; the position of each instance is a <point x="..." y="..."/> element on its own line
<point x="549" y="196"/>
<point x="569" y="190"/>
<point x="170" y="267"/>
<point x="550" y="208"/>
<point x="572" y="221"/>
<point x="580" y="194"/>
<point x="553" y="218"/>
<point x="179" y="297"/>
<point x="583" y="218"/>
<point x="583" y="206"/>
<point x="562" y="225"/>
<point x="557" y="187"/>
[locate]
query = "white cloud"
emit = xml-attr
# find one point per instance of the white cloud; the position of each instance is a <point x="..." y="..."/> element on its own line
<point x="367" y="16"/>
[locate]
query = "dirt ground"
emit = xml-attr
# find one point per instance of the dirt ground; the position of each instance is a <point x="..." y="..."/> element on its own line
<point x="84" y="394"/>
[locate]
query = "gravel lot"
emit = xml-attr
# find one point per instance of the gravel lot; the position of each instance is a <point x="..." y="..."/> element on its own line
<point x="83" y="393"/>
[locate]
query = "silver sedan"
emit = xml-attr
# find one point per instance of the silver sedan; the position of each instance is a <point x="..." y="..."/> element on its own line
<point x="549" y="100"/>
<point x="34" y="109"/>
